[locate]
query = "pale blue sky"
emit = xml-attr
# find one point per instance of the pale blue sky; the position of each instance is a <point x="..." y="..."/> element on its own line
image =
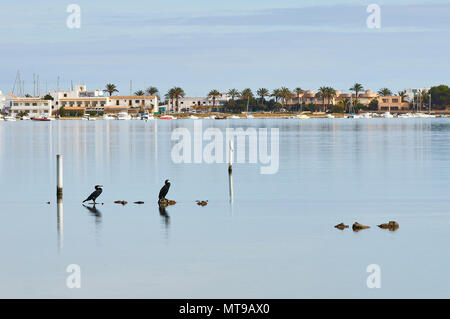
<point x="204" y="45"/>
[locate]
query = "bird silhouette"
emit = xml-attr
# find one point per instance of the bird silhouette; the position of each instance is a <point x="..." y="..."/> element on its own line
<point x="164" y="190"/>
<point x="95" y="194"/>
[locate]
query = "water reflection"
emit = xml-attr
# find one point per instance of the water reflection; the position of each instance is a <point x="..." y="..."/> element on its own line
<point x="60" y="224"/>
<point x="230" y="186"/>
<point x="164" y="216"/>
<point x="94" y="212"/>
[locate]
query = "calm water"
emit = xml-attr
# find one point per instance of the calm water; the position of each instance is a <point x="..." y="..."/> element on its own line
<point x="275" y="241"/>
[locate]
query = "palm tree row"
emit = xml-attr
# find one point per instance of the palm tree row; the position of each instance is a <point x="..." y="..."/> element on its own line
<point x="281" y="95"/>
<point x="150" y="91"/>
<point x="174" y="94"/>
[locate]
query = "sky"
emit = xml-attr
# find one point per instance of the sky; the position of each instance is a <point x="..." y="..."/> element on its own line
<point x="202" y="45"/>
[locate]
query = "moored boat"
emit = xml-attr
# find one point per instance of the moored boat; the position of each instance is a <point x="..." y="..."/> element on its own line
<point x="387" y="115"/>
<point x="168" y="117"/>
<point x="107" y="117"/>
<point x="41" y="119"/>
<point x="10" y="118"/>
<point x="123" y="116"/>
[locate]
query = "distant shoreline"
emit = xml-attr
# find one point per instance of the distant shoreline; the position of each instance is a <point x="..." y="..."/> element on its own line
<point x="258" y="115"/>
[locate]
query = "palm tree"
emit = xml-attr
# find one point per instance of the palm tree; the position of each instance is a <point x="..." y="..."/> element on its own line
<point x="286" y="95"/>
<point x="213" y="94"/>
<point x="331" y="93"/>
<point x="139" y="93"/>
<point x="247" y="94"/>
<point x="323" y="93"/>
<point x="356" y="88"/>
<point x="110" y="88"/>
<point x="423" y="96"/>
<point x="402" y="95"/>
<point x="152" y="91"/>
<point x="346" y="104"/>
<point x="384" y="92"/>
<point x="233" y="93"/>
<point x="262" y="92"/>
<point x="175" y="93"/>
<point x="276" y="93"/>
<point x="298" y="92"/>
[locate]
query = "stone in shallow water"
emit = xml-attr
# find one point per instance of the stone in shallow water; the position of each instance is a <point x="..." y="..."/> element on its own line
<point x="139" y="202"/>
<point x="357" y="226"/>
<point x="167" y="202"/>
<point x="392" y="225"/>
<point x="202" y="202"/>
<point x="341" y="226"/>
<point x="122" y="202"/>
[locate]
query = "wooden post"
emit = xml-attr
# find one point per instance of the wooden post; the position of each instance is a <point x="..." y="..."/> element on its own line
<point x="230" y="161"/>
<point x="59" y="176"/>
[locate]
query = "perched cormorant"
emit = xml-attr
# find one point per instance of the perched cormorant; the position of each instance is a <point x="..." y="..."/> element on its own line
<point x="95" y="194"/>
<point x="164" y="190"/>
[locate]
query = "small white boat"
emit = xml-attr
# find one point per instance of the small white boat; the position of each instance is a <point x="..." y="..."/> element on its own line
<point x="212" y="117"/>
<point x="193" y="117"/>
<point x="88" y="118"/>
<point x="388" y="115"/>
<point x="405" y="116"/>
<point x="330" y="116"/>
<point x="108" y="117"/>
<point x="10" y="118"/>
<point x="250" y="116"/>
<point x="123" y="116"/>
<point x="423" y="115"/>
<point x="147" y="116"/>
<point x="25" y="118"/>
<point x="366" y="116"/>
<point x="234" y="117"/>
<point x="302" y="116"/>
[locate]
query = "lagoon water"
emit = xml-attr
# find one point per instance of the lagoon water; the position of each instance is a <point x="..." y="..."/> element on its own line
<point x="276" y="240"/>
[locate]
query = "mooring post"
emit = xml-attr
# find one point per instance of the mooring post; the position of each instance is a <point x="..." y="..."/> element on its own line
<point x="59" y="176"/>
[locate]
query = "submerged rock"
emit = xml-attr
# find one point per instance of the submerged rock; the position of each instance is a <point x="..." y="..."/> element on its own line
<point x="139" y="202"/>
<point x="202" y="202"/>
<point x="341" y="226"/>
<point x="122" y="202"/>
<point x="357" y="226"/>
<point x="392" y="225"/>
<point x="167" y="202"/>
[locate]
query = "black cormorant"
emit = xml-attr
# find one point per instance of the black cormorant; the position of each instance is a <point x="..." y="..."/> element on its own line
<point x="95" y="194"/>
<point x="164" y="190"/>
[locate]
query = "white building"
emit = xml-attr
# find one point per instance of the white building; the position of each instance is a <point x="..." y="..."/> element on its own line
<point x="2" y="101"/>
<point x="79" y="91"/>
<point x="147" y="102"/>
<point x="191" y="103"/>
<point x="34" y="107"/>
<point x="410" y="92"/>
